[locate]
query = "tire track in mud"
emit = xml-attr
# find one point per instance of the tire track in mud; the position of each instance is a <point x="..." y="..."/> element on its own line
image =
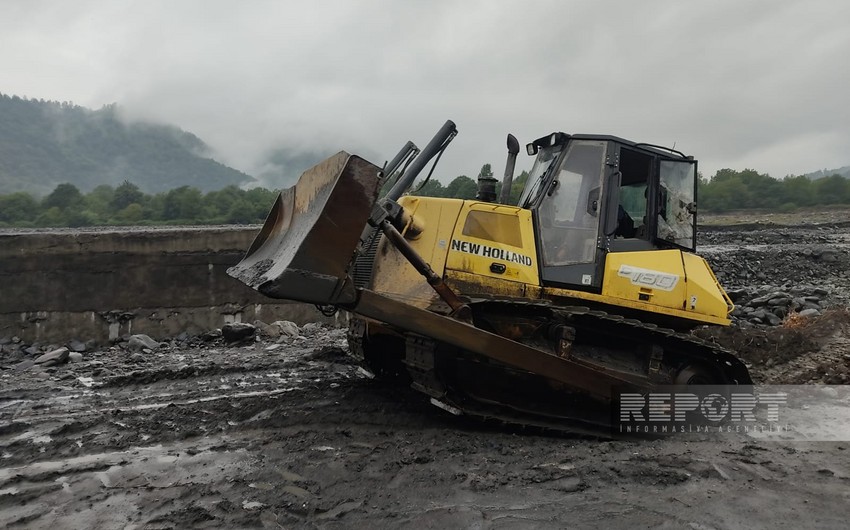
<point x="192" y="404"/>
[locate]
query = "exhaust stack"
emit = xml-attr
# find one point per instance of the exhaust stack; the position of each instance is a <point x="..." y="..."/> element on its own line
<point x="510" y="165"/>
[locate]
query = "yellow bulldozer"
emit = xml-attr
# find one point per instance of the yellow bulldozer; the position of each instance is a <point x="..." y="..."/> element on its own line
<point x="529" y="313"/>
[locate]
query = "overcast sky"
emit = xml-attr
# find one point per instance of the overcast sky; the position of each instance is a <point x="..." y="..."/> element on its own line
<point x="759" y="84"/>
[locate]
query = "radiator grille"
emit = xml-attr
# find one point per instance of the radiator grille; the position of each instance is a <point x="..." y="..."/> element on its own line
<point x="364" y="263"/>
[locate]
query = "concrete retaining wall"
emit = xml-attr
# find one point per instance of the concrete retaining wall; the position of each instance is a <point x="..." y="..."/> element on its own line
<point x="102" y="284"/>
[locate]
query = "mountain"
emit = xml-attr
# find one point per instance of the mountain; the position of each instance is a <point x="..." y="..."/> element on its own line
<point x="45" y="143"/>
<point x="843" y="171"/>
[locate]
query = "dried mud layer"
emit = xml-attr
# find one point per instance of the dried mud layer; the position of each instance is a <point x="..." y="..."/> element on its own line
<point x="290" y="434"/>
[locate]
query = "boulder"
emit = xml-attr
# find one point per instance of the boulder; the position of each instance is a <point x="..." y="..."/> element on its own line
<point x="737" y="295"/>
<point x="138" y="358"/>
<point x="141" y="341"/>
<point x="237" y="331"/>
<point x="77" y="346"/>
<point x="773" y="320"/>
<point x="210" y="335"/>
<point x="779" y="301"/>
<point x="57" y="356"/>
<point x="760" y="314"/>
<point x="781" y="312"/>
<point x="24" y="365"/>
<point x="267" y="330"/>
<point x="290" y="329"/>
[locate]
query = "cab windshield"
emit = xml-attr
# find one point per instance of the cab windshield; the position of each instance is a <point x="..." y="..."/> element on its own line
<point x="545" y="158"/>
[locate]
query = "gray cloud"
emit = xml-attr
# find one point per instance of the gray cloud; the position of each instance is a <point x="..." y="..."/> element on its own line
<point x="737" y="84"/>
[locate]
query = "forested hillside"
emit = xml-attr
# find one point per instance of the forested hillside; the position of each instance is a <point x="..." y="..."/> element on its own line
<point x="748" y="189"/>
<point x="44" y="144"/>
<point x="128" y="205"/>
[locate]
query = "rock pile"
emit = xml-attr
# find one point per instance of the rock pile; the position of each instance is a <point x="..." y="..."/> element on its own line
<point x="241" y="332"/>
<point x="19" y="355"/>
<point x="770" y="306"/>
<point x="769" y="279"/>
<point x="737" y="235"/>
<point x="23" y="356"/>
<point x="742" y="267"/>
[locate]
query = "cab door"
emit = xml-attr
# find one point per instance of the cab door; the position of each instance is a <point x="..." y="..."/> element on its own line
<point x="570" y="216"/>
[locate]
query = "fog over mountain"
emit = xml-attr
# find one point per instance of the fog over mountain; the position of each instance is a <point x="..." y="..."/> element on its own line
<point x="736" y="84"/>
<point x="44" y="144"/>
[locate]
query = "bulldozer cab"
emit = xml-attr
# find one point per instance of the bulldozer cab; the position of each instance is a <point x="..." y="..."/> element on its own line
<point x="592" y="194"/>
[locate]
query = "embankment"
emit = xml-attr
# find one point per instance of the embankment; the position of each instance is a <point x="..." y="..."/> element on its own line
<point x="104" y="283"/>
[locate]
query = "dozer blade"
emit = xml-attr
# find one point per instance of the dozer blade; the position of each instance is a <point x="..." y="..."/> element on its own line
<point x="307" y="243"/>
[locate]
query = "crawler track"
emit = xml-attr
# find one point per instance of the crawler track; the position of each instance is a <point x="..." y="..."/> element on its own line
<point x="463" y="382"/>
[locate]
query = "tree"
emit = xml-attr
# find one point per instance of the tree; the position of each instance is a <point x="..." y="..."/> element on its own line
<point x="241" y="212"/>
<point x="133" y="213"/>
<point x="99" y="201"/>
<point x="75" y="218"/>
<point x="728" y="193"/>
<point x="764" y="191"/>
<point x="431" y="188"/>
<point x="461" y="187"/>
<point x="517" y="186"/>
<point x="218" y="203"/>
<point x="126" y="194"/>
<point x="154" y="208"/>
<point x="262" y="199"/>
<point x="63" y="196"/>
<point x="832" y="190"/>
<point x="183" y="203"/>
<point x="18" y="207"/>
<point x="51" y="217"/>
<point x="798" y="191"/>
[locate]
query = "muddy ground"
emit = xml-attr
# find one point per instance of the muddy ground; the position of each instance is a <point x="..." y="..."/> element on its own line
<point x="289" y="434"/>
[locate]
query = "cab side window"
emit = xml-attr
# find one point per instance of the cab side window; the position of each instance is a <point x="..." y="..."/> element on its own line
<point x="635" y="169"/>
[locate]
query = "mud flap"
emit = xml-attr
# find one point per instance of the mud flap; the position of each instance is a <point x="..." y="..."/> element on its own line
<point x="306" y="246"/>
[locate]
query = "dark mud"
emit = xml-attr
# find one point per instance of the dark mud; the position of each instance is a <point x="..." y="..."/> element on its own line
<point x="299" y="437"/>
